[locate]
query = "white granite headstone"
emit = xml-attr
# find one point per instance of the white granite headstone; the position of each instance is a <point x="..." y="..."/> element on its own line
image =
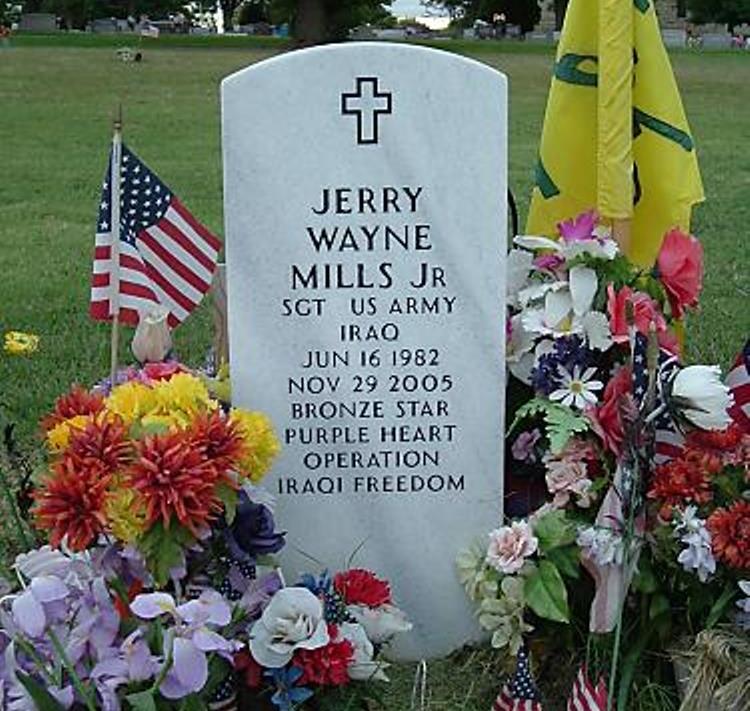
<point x="365" y="200"/>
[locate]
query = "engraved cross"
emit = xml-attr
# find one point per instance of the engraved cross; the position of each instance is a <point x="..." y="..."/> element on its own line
<point x="367" y="103"/>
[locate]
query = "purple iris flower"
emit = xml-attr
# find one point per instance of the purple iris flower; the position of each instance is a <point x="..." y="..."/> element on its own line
<point x="36" y="607"/>
<point x="252" y="533"/>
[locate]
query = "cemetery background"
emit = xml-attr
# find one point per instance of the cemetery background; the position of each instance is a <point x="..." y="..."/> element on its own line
<point x="54" y="131"/>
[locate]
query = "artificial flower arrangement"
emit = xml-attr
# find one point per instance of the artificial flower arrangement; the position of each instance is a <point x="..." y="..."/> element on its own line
<point x="158" y="588"/>
<point x="645" y="514"/>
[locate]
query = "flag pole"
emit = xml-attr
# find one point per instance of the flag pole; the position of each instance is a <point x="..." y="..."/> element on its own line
<point x="115" y="178"/>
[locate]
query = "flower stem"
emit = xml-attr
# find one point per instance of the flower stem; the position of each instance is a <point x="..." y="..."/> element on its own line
<point x="29" y="649"/>
<point x="164" y="671"/>
<point x="8" y="493"/>
<point x="82" y="690"/>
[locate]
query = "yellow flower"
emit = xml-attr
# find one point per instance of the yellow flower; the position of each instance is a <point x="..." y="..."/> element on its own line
<point x="126" y="514"/>
<point x="155" y="421"/>
<point x="58" y="437"/>
<point x="261" y="444"/>
<point x="184" y="394"/>
<point x="19" y="343"/>
<point x="131" y="401"/>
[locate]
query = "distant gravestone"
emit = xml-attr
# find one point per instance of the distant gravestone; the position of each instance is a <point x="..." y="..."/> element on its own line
<point x="365" y="189"/>
<point x="38" y="22"/>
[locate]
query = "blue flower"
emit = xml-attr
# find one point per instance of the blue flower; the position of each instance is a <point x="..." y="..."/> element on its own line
<point x="568" y="352"/>
<point x="317" y="586"/>
<point x="287" y="695"/>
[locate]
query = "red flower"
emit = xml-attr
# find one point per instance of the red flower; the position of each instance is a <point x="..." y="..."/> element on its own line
<point x="218" y="440"/>
<point x="102" y="440"/>
<point x="250" y="671"/>
<point x="77" y="402"/>
<point x="678" y="482"/>
<point x="730" y="534"/>
<point x="361" y="587"/>
<point x="71" y="503"/>
<point x="606" y="418"/>
<point x="645" y="312"/>
<point x="326" y="666"/>
<point x="680" y="268"/>
<point x="174" y="479"/>
<point x="162" y="371"/>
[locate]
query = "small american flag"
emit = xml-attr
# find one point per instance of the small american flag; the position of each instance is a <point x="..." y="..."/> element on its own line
<point x="738" y="382"/>
<point x="167" y="257"/>
<point x="520" y="692"/>
<point x="585" y="696"/>
<point x="668" y="440"/>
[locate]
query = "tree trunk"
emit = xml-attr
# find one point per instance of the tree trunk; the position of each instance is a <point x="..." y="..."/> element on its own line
<point x="310" y="22"/>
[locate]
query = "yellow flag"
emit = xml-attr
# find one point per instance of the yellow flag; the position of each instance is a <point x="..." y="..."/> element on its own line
<point x="615" y="135"/>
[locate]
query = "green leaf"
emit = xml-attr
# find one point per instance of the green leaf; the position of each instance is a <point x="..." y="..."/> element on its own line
<point x="645" y="579"/>
<point x="567" y="560"/>
<point x="43" y="700"/>
<point x="228" y="497"/>
<point x="163" y="548"/>
<point x="561" y="422"/>
<point x="193" y="703"/>
<point x="545" y="593"/>
<point x="659" y="606"/>
<point x="553" y="531"/>
<point x="720" y="606"/>
<point x="142" y="700"/>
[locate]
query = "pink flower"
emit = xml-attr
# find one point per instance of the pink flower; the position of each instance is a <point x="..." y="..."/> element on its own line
<point x="645" y="312"/>
<point x="680" y="268"/>
<point x="510" y="546"/>
<point x="579" y="228"/>
<point x="566" y="477"/>
<point x="548" y="262"/>
<point x="523" y="447"/>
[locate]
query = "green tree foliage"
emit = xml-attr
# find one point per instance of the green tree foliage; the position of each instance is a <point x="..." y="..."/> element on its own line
<point x="316" y="21"/>
<point x="729" y="12"/>
<point x="76" y="13"/>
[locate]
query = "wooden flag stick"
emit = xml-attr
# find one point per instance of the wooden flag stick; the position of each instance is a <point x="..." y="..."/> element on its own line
<point x="115" y="178"/>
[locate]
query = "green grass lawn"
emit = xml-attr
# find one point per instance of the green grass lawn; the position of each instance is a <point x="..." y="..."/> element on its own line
<point x="56" y="105"/>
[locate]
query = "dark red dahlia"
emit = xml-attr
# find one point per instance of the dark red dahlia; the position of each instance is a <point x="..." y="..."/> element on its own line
<point x="77" y="402"/>
<point x="730" y="534"/>
<point x="101" y="440"/>
<point x="679" y="482"/>
<point x="219" y="441"/>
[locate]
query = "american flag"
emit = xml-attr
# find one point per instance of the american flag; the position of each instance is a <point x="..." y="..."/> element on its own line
<point x="668" y="440"/>
<point x="585" y="696"/>
<point x="520" y="692"/>
<point x="167" y="257"/>
<point x="738" y="382"/>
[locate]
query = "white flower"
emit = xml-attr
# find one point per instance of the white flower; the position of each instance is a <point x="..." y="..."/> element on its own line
<point x="363" y="667"/>
<point x="603" y="545"/>
<point x="380" y="623"/>
<point x="292" y="620"/>
<point x="517" y="268"/>
<point x="702" y="398"/>
<point x="567" y="309"/>
<point x="578" y="389"/>
<point x="510" y="546"/>
<point x="601" y="245"/>
<point x="744" y="605"/>
<point x="698" y="556"/>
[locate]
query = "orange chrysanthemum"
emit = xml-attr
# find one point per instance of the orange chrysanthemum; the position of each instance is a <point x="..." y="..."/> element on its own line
<point x="730" y="534"/>
<point x="175" y="480"/>
<point x="219" y="440"/>
<point x="77" y="402"/>
<point x="71" y="503"/>
<point x="102" y="440"/>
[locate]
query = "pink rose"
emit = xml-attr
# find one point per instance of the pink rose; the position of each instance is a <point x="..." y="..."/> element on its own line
<point x="565" y="477"/>
<point x="645" y="312"/>
<point x="680" y="268"/>
<point x="510" y="546"/>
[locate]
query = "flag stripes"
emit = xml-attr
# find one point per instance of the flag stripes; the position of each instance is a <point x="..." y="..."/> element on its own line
<point x="738" y="382"/>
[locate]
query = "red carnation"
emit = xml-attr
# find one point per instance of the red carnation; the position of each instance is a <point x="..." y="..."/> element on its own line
<point x="71" y="503"/>
<point x="103" y="441"/>
<point x="680" y="268"/>
<point x="326" y="666"/>
<point x="678" y="482"/>
<point x="730" y="534"/>
<point x="77" y="402"/>
<point x="361" y="587"/>
<point x="174" y="479"/>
